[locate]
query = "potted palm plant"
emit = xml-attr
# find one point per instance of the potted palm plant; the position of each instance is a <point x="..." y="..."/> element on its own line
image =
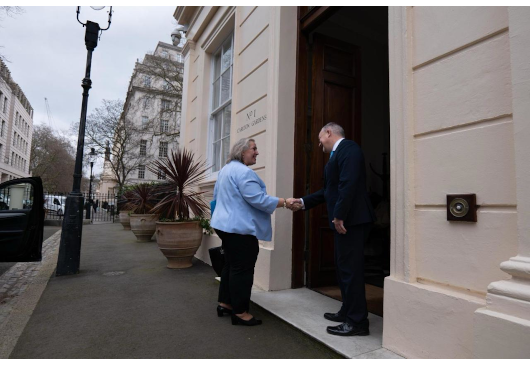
<point x="141" y="199"/>
<point x="123" y="201"/>
<point x="178" y="234"/>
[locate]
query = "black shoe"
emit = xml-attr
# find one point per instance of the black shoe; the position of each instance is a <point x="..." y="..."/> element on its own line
<point x="251" y="322"/>
<point x="335" y="317"/>
<point x="222" y="310"/>
<point x="346" y="329"/>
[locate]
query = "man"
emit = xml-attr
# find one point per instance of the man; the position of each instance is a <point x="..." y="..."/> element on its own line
<point x="350" y="216"/>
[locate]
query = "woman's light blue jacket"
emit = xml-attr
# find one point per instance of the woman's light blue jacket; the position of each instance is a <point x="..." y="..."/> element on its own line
<point x="242" y="204"/>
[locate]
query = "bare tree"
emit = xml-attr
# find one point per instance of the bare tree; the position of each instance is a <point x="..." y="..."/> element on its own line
<point x="9" y="11"/>
<point x="52" y="157"/>
<point x="114" y="137"/>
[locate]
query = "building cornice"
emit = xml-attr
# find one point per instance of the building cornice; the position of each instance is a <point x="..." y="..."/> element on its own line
<point x="189" y="45"/>
<point x="222" y="21"/>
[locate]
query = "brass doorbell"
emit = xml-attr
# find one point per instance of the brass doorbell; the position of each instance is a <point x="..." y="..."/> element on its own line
<point x="462" y="207"/>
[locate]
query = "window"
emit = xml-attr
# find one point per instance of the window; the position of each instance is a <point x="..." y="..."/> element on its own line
<point x="14" y="138"/>
<point x="178" y="119"/>
<point x="3" y="128"/>
<point x="166" y="104"/>
<point x="12" y="157"/>
<point x="147" y="81"/>
<point x="162" y="149"/>
<point x="146" y="102"/>
<point x="143" y="147"/>
<point x="145" y="120"/>
<point x="164" y="125"/>
<point x="167" y="85"/>
<point x="5" y="104"/>
<point x="141" y="172"/>
<point x="165" y="54"/>
<point x="179" y="57"/>
<point x="161" y="175"/>
<point x="221" y="103"/>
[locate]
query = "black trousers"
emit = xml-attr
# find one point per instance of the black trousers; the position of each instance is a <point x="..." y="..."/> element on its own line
<point x="349" y="267"/>
<point x="237" y="277"/>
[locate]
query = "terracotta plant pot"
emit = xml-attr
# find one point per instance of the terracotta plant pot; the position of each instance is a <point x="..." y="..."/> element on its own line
<point x="143" y="226"/>
<point x="125" y="220"/>
<point x="178" y="241"/>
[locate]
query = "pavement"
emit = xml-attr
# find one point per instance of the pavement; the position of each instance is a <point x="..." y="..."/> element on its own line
<point x="125" y="303"/>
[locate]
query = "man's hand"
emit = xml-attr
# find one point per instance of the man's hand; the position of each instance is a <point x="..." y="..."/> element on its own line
<point x="294" y="204"/>
<point x="339" y="226"/>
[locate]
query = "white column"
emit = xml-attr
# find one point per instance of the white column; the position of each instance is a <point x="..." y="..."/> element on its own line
<point x="502" y="328"/>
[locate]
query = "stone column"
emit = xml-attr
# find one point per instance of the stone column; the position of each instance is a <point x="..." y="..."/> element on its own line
<point x="502" y="328"/>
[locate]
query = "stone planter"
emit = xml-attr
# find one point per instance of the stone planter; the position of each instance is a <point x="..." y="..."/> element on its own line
<point x="178" y="241"/>
<point x="143" y="226"/>
<point x="125" y="220"/>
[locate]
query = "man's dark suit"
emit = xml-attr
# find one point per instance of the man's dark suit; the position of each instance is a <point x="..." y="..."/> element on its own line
<point x="347" y="199"/>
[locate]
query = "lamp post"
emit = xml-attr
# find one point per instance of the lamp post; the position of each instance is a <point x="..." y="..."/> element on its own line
<point x="70" y="247"/>
<point x="91" y="158"/>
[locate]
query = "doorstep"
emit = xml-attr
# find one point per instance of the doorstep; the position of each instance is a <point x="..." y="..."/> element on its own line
<point x="304" y="309"/>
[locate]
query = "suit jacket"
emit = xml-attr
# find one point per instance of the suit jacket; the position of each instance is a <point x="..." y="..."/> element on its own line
<point x="344" y="188"/>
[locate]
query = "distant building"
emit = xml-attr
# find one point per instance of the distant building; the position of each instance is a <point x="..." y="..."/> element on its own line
<point x="16" y="118"/>
<point x="152" y="106"/>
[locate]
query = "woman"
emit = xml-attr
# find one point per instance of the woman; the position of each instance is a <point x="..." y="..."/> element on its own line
<point x="241" y="217"/>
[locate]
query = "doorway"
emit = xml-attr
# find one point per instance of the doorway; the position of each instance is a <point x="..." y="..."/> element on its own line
<point x="342" y="77"/>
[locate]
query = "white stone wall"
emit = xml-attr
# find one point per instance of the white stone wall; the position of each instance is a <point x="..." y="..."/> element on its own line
<point x="263" y="102"/>
<point x="452" y="116"/>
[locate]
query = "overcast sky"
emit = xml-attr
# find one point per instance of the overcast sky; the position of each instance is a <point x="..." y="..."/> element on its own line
<point x="47" y="55"/>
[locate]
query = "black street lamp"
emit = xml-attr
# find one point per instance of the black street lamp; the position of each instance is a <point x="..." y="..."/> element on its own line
<point x="70" y="247"/>
<point x="91" y="158"/>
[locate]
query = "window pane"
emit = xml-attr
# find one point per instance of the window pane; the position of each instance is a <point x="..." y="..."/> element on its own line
<point x="215" y="92"/>
<point x="227" y="114"/>
<point x="216" y="153"/>
<point x="226" y="149"/>
<point x="227" y="54"/>
<point x="225" y="87"/>
<point x="216" y="65"/>
<point x="217" y="127"/>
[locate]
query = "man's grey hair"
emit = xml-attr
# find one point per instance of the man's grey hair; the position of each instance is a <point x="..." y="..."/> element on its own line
<point x="241" y="146"/>
<point x="335" y="129"/>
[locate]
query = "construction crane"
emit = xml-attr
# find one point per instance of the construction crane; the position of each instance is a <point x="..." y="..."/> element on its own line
<point x="50" y="115"/>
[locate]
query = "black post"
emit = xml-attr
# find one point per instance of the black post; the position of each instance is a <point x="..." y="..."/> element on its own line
<point x="90" y="200"/>
<point x="70" y="247"/>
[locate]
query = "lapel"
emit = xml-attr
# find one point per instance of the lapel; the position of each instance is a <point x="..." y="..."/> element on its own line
<point x="328" y="165"/>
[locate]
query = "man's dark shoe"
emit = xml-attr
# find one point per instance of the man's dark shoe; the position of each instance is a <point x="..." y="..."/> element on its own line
<point x="335" y="317"/>
<point x="346" y="329"/>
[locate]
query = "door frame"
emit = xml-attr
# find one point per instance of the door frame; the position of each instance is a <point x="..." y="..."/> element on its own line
<point x="308" y="20"/>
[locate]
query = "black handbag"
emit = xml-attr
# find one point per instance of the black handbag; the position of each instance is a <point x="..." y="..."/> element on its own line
<point x="217" y="258"/>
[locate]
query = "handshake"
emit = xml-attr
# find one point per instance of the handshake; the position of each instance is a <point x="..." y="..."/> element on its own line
<point x="293" y="204"/>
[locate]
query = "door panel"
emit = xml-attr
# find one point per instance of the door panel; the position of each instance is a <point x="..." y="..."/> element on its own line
<point x="21" y="220"/>
<point x="335" y="98"/>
